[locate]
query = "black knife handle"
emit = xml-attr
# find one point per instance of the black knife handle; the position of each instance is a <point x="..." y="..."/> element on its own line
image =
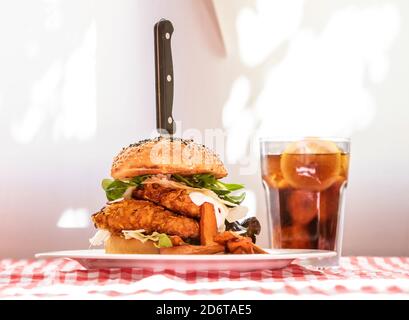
<point x="164" y="77"/>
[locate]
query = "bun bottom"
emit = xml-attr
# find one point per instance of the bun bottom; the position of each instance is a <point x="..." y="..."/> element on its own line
<point x="119" y="245"/>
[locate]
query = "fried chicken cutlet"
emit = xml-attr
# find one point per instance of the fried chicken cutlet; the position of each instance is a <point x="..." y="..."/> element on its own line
<point x="141" y="214"/>
<point x="177" y="200"/>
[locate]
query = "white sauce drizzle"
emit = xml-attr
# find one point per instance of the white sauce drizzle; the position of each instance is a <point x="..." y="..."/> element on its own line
<point x="220" y="210"/>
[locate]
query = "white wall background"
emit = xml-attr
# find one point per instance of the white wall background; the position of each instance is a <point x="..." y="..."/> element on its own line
<point x="77" y="84"/>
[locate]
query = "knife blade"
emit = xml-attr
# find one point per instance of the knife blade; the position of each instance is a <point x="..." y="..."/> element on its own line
<point x="163" y="31"/>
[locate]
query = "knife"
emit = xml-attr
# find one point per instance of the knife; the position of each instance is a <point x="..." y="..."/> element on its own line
<point x="163" y="31"/>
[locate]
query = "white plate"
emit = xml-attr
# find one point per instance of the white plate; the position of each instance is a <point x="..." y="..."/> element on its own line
<point x="276" y="259"/>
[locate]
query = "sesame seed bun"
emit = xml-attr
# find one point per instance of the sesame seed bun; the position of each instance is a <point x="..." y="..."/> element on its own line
<point x="166" y="156"/>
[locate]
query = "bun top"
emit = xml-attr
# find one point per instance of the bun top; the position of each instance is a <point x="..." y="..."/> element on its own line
<point x="166" y="156"/>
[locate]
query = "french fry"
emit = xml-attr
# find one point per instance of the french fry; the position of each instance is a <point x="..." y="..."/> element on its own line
<point x="258" y="250"/>
<point x="190" y="249"/>
<point x="237" y="244"/>
<point x="177" y="241"/>
<point x="225" y="236"/>
<point x="242" y="244"/>
<point x="208" y="224"/>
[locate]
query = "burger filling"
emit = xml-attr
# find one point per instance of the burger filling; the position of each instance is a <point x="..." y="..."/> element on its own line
<point x="182" y="194"/>
<point x="179" y="197"/>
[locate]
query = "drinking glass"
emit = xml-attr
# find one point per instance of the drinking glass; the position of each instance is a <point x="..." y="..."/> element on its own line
<point x="305" y="181"/>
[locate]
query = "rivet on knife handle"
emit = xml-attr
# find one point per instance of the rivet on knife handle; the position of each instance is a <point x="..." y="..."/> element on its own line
<point x="164" y="77"/>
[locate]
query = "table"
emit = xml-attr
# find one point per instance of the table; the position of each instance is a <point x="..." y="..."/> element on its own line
<point x="358" y="277"/>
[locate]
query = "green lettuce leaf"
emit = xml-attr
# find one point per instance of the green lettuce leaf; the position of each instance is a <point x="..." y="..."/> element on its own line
<point x="209" y="181"/>
<point x="160" y="240"/>
<point x="115" y="189"/>
<point x="105" y="183"/>
<point x="164" y="241"/>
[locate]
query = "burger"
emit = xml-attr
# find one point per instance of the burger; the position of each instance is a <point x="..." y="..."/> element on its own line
<point x="155" y="196"/>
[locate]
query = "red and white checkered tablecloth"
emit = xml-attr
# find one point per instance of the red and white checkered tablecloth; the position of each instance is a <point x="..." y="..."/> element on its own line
<point x="358" y="277"/>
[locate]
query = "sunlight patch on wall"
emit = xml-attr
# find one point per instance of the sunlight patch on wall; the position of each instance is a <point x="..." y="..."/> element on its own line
<point x="53" y="19"/>
<point x="74" y="219"/>
<point x="78" y="115"/>
<point x="262" y="30"/>
<point x="237" y="120"/>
